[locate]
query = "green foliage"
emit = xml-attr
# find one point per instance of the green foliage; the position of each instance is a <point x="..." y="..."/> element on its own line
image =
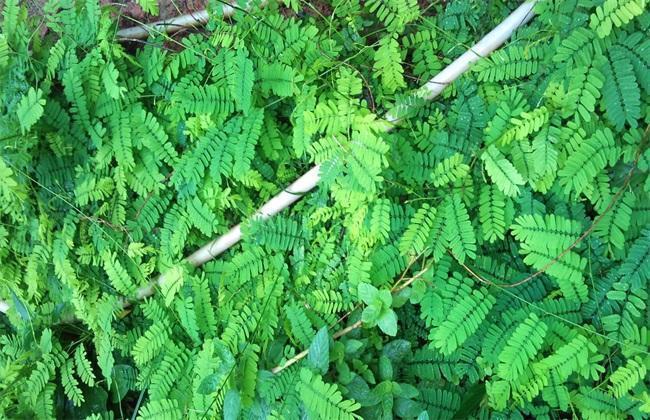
<point x="149" y="6"/>
<point x="502" y="171"/>
<point x="322" y="400"/>
<point x="488" y="256"/>
<point x="458" y="231"/>
<point x="587" y="158"/>
<point x="241" y="79"/>
<point x="319" y="351"/>
<point x="462" y="321"/>
<point x="495" y="213"/>
<point x="161" y="409"/>
<point x="508" y="63"/>
<point x="626" y="377"/>
<point x="616" y="221"/>
<point x="416" y="235"/>
<point x="614" y="13"/>
<point x="278" y="233"/>
<point x="549" y="230"/>
<point x="30" y="109"/>
<point x="70" y="384"/>
<point x="378" y="310"/>
<point x="277" y="78"/>
<point x="83" y="367"/>
<point x="585" y="85"/>
<point x="449" y="170"/>
<point x="622" y="97"/>
<point x="522" y="346"/>
<point x="388" y="64"/>
<point x="395" y="14"/>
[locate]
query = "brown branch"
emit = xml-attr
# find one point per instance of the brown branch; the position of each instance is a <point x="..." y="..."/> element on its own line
<point x="582" y="237"/>
<point x="397" y="287"/>
<point x="349" y="328"/>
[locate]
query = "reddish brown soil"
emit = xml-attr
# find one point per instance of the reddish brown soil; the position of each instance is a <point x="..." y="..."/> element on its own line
<point x="129" y="12"/>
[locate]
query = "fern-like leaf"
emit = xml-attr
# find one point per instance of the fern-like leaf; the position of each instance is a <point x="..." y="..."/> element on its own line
<point x="462" y="321"/>
<point x="201" y="216"/>
<point x="171" y="283"/>
<point x="570" y="357"/>
<point x="586" y="159"/>
<point x="621" y="325"/>
<point x="84" y="369"/>
<point x="247" y="372"/>
<point x="241" y="79"/>
<point x="458" y="232"/>
<point x="244" y="149"/>
<point x="616" y="221"/>
<point x="621" y="95"/>
<point x="380" y="220"/>
<point x="614" y="13"/>
<point x="585" y="85"/>
<point x="301" y="327"/>
<point x="636" y="266"/>
<point x="322" y="400"/>
<point x="502" y="172"/>
<point x="165" y="409"/>
<point x="4" y="52"/>
<point x="512" y="62"/>
<point x="449" y="170"/>
<point x="278" y="233"/>
<point x="117" y="274"/>
<point x="522" y="346"/>
<point x="495" y="213"/>
<point x="70" y="384"/>
<point x="394" y="14"/>
<point x="277" y="78"/>
<point x="554" y="232"/>
<point x="151" y="342"/>
<point x="30" y="109"/>
<point x="566" y="270"/>
<point x="578" y="40"/>
<point x="414" y="239"/>
<point x="388" y="64"/>
<point x="627" y="376"/>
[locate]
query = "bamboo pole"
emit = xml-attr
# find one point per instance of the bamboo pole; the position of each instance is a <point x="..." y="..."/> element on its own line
<point x="175" y="24"/>
<point x="493" y="40"/>
<point x="169" y="26"/>
<point x="285" y="198"/>
<point x="309" y="180"/>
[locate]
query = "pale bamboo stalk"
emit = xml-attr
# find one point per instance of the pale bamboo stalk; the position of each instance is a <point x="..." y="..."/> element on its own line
<point x="285" y="198"/>
<point x="493" y="40"/>
<point x="169" y="26"/>
<point x="490" y="42"/>
<point x="308" y="181"/>
<point x="175" y="24"/>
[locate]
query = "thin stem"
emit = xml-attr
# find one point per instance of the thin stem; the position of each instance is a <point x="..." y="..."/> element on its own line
<point x="582" y="237"/>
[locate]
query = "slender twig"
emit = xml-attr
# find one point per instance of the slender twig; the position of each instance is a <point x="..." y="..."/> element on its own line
<point x="395" y="289"/>
<point x="398" y="287"/>
<point x="582" y="237"/>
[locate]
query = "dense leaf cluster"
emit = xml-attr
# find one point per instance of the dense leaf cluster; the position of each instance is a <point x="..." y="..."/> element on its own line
<point x="487" y="257"/>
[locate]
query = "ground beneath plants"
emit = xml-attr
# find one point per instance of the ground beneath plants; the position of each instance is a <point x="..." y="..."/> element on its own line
<point x="130" y="13"/>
